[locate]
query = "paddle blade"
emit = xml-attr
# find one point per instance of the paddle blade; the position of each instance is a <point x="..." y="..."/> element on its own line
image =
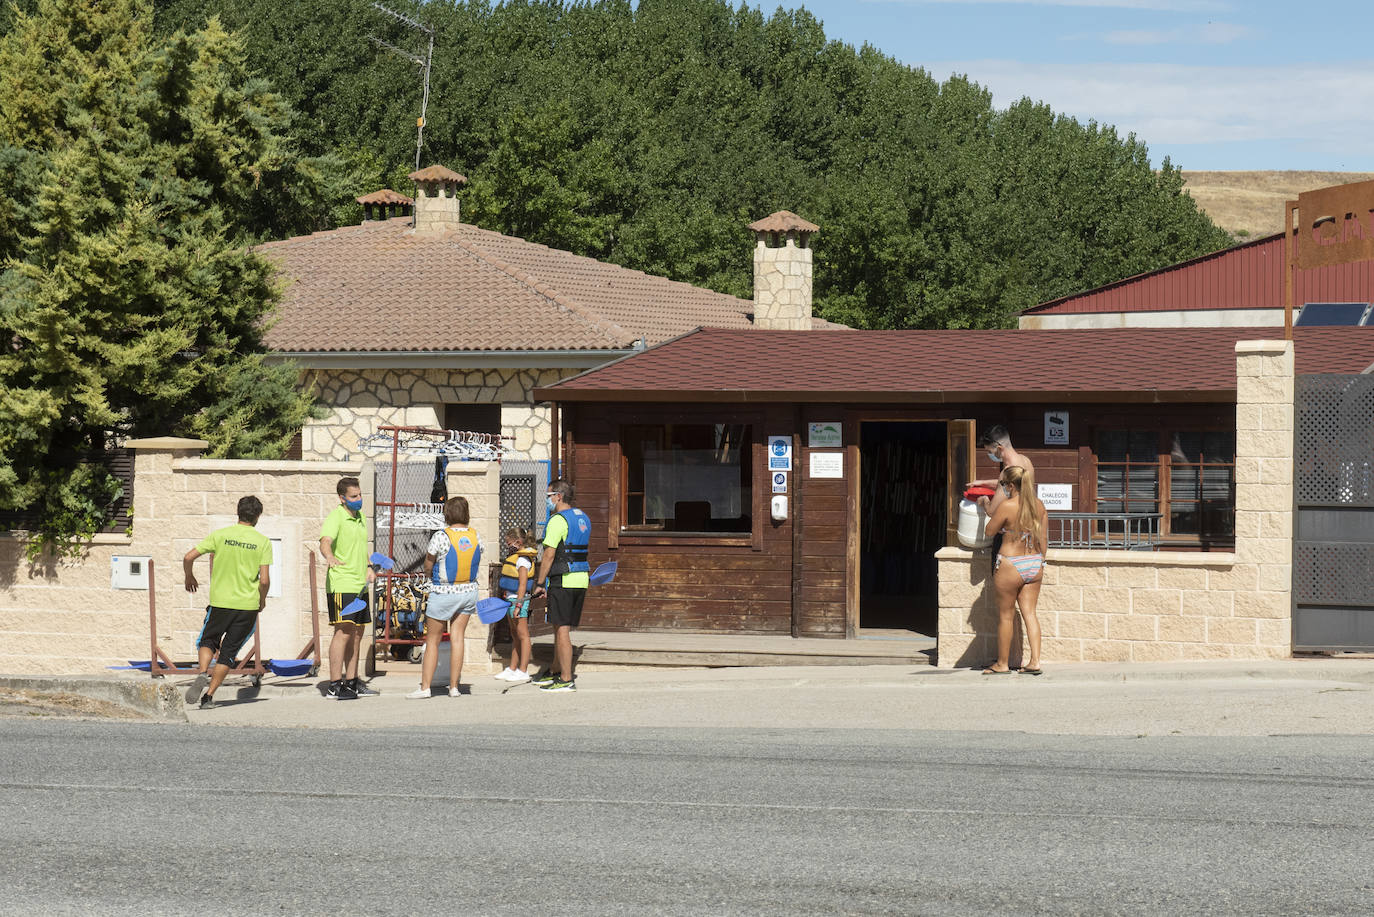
<point x="491" y="610"/>
<point x="603" y="574"/>
<point x="354" y="606"/>
<point x="381" y="560"/>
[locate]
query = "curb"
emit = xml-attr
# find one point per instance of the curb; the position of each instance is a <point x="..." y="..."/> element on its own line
<point x="157" y="700"/>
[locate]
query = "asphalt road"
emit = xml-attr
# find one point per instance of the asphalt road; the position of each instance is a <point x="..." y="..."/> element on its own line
<point x="118" y="818"/>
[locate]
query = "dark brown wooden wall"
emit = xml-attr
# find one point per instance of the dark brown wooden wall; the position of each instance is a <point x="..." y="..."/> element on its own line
<point x="751" y="584"/>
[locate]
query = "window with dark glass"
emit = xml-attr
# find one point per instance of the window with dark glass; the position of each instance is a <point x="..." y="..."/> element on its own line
<point x="1188" y="477"/>
<point x="687" y="478"/>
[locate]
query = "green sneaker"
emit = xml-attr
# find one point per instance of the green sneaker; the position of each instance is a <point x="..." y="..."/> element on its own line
<point x="559" y="686"/>
<point x="544" y="679"/>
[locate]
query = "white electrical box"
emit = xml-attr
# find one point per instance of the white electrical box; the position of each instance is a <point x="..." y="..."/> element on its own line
<point x="127" y="572"/>
<point x="779" y="505"/>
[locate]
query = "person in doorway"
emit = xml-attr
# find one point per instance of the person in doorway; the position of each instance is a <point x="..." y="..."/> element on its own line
<point x="564" y="568"/>
<point x="997" y="441"/>
<point x="238" y="592"/>
<point x="1020" y="566"/>
<point x="452" y="560"/>
<point x="516" y="586"/>
<point x="343" y="545"/>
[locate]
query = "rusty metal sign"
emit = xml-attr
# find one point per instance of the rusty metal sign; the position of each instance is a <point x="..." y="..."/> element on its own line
<point x="1332" y="225"/>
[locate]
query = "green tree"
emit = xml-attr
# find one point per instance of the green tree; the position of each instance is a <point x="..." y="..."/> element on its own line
<point x="130" y="302"/>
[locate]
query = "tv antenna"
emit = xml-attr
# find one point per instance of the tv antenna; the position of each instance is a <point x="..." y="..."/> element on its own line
<point x="423" y="63"/>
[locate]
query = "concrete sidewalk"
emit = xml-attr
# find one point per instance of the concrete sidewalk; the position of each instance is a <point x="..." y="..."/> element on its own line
<point x="1309" y="696"/>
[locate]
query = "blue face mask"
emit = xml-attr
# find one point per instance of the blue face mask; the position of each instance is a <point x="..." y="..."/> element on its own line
<point x="551" y="503"/>
<point x="353" y="505"/>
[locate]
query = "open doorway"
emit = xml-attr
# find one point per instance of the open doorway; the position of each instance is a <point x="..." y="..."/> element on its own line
<point x="902" y="523"/>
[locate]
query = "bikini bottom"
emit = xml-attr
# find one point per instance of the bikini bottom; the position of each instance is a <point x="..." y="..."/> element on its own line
<point x="1028" y="565"/>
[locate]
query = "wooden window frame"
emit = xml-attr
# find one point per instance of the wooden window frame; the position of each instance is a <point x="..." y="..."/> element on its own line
<point x="1164" y="465"/>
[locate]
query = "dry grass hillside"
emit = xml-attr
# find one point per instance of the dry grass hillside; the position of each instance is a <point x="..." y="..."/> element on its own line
<point x="1250" y="204"/>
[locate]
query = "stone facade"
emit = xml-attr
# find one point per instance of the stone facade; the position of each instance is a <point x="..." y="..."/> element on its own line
<point x="1122" y="606"/>
<point x="361" y="401"/>
<point x="65" y="617"/>
<point x="782" y="286"/>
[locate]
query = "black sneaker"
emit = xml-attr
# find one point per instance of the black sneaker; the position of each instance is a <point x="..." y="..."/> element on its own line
<point x="197" y="687"/>
<point x="361" y="689"/>
<point x="543" y="679"/>
<point x="208" y="702"/>
<point x="346" y="692"/>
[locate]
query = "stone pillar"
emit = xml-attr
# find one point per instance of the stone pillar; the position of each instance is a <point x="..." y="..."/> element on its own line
<point x="782" y="272"/>
<point x="1263" y="575"/>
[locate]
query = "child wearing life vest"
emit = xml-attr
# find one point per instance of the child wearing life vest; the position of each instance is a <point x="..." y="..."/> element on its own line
<point x="515" y="585"/>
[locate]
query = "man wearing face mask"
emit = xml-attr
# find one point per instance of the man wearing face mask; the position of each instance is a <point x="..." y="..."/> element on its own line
<point x="564" y="565"/>
<point x="343" y="544"/>
<point x="997" y="442"/>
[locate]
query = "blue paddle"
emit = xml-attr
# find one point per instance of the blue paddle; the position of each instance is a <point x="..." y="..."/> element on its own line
<point x="355" y="605"/>
<point x="491" y="610"/>
<point x="602" y="574"/>
<point x="381" y="560"/>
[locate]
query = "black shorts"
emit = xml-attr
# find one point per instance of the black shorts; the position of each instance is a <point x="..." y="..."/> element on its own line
<point x="337" y="601"/>
<point x="226" y="630"/>
<point x="565" y="606"/>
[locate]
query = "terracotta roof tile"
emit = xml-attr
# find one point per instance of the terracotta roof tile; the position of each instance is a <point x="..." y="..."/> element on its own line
<point x="437" y="173"/>
<point x="1162" y="364"/>
<point x="382" y="287"/>
<point x="783" y="221"/>
<point x="384" y="196"/>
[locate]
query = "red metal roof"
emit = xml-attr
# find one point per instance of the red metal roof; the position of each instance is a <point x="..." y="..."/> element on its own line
<point x="1249" y="276"/>
<point x="1117" y="364"/>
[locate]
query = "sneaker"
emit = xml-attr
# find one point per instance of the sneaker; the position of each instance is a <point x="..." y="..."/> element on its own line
<point x="518" y="677"/>
<point x="504" y="674"/>
<point x="197" y="687"/>
<point x="419" y="694"/>
<point x="346" y="692"/>
<point x="362" y="690"/>
<point x="560" y="686"/>
<point x="208" y="702"/>
<point x="455" y="692"/>
<point x="332" y="692"/>
<point x="544" y="678"/>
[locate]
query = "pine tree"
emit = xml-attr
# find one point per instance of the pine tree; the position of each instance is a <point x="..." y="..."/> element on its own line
<point x="130" y="301"/>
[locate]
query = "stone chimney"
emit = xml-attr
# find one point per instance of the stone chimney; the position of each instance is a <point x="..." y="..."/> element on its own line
<point x="384" y="204"/>
<point x="436" y="198"/>
<point x="782" y="272"/>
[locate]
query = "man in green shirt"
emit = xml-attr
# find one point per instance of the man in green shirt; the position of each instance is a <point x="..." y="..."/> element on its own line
<point x="238" y="591"/>
<point x="343" y="545"/>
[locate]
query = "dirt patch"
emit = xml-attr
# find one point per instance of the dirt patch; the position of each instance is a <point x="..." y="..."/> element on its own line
<point x="1250" y="204"/>
<point x="35" y="703"/>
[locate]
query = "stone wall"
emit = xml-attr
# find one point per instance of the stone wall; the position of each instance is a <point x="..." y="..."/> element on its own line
<point x="361" y="401"/>
<point x="782" y="286"/>
<point x="65" y="617"/>
<point x="1124" y="606"/>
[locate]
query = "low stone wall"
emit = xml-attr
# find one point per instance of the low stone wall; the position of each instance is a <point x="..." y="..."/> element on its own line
<point x="1122" y="606"/>
<point x="360" y="401"/>
<point x="65" y="617"/>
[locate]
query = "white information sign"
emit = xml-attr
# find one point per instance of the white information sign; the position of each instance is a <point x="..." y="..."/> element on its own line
<point x="825" y="435"/>
<point x="779" y="453"/>
<point x="1055" y="496"/>
<point x="1056" y="428"/>
<point x="827" y="464"/>
<point x="779" y="482"/>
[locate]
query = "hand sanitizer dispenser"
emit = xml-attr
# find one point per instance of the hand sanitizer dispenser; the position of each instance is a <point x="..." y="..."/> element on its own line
<point x="779" y="507"/>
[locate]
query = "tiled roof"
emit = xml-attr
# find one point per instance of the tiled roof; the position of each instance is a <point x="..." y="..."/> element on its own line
<point x="437" y="173"/>
<point x="384" y="196"/>
<point x="783" y="221"/>
<point x="381" y="286"/>
<point x="1119" y="364"/>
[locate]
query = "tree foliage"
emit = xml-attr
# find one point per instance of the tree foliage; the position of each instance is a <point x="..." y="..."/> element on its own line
<point x="136" y="173"/>
<point x="651" y="134"/>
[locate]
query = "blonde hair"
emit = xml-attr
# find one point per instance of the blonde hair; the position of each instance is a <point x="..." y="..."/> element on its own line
<point x="1030" y="509"/>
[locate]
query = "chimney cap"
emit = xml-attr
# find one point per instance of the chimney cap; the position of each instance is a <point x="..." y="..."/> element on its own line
<point x="783" y="221"/>
<point x="384" y="196"/>
<point x="438" y="173"/>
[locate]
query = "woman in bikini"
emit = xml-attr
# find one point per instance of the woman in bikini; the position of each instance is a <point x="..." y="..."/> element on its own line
<point x="1022" y="520"/>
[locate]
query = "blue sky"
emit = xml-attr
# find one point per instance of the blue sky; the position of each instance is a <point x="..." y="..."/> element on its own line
<point x="1212" y="84"/>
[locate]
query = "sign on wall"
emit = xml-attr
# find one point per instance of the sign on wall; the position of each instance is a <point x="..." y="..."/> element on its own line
<point x="825" y="435"/>
<point x="827" y="464"/>
<point x="1056" y="496"/>
<point x="1056" y="428"/>
<point x="779" y="482"/>
<point x="780" y="453"/>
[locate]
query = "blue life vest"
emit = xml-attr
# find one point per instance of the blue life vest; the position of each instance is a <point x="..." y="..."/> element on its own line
<point x="571" y="554"/>
<point x="460" y="563"/>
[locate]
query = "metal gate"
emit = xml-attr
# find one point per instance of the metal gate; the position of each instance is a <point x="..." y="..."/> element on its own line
<point x="1333" y="536"/>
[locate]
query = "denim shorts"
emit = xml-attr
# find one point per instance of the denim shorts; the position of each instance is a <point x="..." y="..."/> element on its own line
<point x="447" y="607"/>
<point x="518" y="611"/>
